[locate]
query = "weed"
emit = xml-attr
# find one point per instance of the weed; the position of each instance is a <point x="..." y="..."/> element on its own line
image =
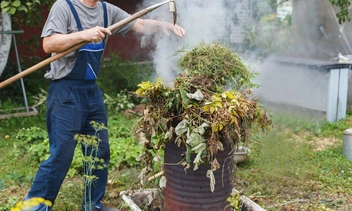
<point x="31" y="135"/>
<point x="33" y="140"/>
<point x="15" y="177"/>
<point x="123" y="153"/>
<point x="119" y="103"/>
<point x="40" y="98"/>
<point x="2" y="187"/>
<point x="334" y="129"/>
<point x="285" y="172"/>
<point x="40" y="151"/>
<point x="235" y="201"/>
<point x="7" y="107"/>
<point x="121" y="75"/>
<point x="120" y="127"/>
<point x="91" y="161"/>
<point x="11" y="201"/>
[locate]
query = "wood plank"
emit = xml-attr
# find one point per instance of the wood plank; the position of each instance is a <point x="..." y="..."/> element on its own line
<point x="18" y="113"/>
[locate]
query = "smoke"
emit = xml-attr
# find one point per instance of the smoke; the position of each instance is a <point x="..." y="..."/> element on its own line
<point x="313" y="35"/>
<point x="203" y="20"/>
<point x="294" y="85"/>
<point x="294" y="80"/>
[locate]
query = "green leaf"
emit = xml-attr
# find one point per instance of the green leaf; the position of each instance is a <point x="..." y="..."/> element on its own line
<point x="201" y="129"/>
<point x="181" y="128"/>
<point x="188" y="154"/>
<point x="200" y="148"/>
<point x="12" y="10"/>
<point x="184" y="96"/>
<point x="194" y="139"/>
<point x="162" y="182"/>
<point x="4" y="4"/>
<point x="2" y="186"/>
<point x="16" y="3"/>
<point x="6" y="9"/>
<point x="197" y="161"/>
<point x="198" y="95"/>
<point x="210" y="175"/>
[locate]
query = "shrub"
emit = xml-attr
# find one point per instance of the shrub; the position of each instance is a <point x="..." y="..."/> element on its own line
<point x="117" y="75"/>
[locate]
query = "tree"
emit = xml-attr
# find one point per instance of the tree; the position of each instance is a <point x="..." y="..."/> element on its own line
<point x="14" y="15"/>
<point x="344" y="5"/>
<point x="12" y="7"/>
<point x="28" y="13"/>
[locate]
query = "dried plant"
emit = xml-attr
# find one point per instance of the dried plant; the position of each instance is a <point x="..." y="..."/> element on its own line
<point x="210" y="106"/>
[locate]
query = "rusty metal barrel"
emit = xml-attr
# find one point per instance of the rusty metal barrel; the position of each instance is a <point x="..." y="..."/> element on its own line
<point x="190" y="190"/>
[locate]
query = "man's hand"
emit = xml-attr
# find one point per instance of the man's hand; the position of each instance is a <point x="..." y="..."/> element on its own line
<point x="178" y="30"/>
<point x="95" y="34"/>
<point x="149" y="26"/>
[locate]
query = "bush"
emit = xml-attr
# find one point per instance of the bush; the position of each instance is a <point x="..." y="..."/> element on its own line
<point x="117" y="75"/>
<point x="32" y="83"/>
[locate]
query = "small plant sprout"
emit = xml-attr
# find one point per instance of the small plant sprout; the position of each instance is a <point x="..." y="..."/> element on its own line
<point x="235" y="201"/>
<point x="90" y="144"/>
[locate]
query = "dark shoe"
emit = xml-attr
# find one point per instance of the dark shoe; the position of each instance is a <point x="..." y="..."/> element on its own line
<point x="41" y="207"/>
<point x="104" y="208"/>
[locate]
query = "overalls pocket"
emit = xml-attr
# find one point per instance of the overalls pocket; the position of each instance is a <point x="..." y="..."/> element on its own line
<point x="88" y="62"/>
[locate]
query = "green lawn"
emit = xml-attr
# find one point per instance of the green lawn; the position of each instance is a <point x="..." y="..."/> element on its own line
<point x="299" y="166"/>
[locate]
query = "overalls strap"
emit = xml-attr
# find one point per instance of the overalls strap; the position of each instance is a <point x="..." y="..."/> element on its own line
<point x="105" y="15"/>
<point x="75" y="15"/>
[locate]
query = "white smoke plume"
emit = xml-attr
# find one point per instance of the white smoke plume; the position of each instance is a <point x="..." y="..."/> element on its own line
<point x="203" y="21"/>
<point x="213" y="20"/>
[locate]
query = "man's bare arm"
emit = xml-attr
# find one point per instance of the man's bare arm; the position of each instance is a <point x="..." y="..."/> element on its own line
<point x="57" y="43"/>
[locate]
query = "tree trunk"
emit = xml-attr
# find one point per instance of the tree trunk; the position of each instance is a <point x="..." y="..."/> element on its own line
<point x="5" y="39"/>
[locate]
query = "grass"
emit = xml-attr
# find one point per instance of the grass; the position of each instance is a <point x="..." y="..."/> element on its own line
<point x="290" y="168"/>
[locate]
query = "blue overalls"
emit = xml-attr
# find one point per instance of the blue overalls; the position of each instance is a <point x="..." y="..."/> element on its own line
<point x="72" y="103"/>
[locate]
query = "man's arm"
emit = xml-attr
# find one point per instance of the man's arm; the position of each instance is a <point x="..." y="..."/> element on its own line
<point x="61" y="42"/>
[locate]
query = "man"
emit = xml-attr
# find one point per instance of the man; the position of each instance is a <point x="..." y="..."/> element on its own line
<point x="74" y="100"/>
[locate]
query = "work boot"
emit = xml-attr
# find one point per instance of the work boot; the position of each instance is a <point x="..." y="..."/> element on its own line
<point x="40" y="207"/>
<point x="104" y="208"/>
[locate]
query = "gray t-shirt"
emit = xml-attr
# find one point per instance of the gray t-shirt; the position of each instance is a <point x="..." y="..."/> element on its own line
<point x="60" y="20"/>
